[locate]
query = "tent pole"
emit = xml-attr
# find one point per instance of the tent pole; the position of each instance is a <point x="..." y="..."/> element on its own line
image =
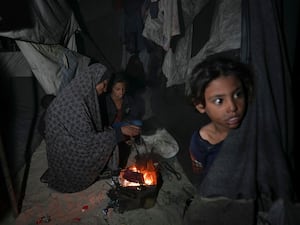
<point x="7" y="180"/>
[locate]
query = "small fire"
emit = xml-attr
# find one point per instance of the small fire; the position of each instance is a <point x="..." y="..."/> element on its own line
<point x="139" y="175"/>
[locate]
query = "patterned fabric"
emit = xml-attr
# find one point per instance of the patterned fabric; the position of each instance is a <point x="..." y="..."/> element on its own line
<point x="78" y="147"/>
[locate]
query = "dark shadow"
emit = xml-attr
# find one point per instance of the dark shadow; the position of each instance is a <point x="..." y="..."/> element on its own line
<point x="15" y="15"/>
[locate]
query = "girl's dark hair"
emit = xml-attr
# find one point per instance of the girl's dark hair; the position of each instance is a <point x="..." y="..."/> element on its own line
<point x="211" y="69"/>
<point x="118" y="77"/>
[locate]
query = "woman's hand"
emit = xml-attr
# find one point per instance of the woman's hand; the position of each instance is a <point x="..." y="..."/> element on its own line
<point x="131" y="130"/>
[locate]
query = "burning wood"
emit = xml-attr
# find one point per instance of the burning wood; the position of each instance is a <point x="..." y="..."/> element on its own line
<point x="133" y="176"/>
<point x="137" y="186"/>
<point x="137" y="175"/>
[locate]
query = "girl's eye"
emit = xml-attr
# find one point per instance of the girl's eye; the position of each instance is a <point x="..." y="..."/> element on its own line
<point x="238" y="94"/>
<point x="218" y="101"/>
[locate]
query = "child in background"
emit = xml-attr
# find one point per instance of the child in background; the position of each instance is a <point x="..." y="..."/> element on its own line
<point x="220" y="88"/>
<point x="122" y="110"/>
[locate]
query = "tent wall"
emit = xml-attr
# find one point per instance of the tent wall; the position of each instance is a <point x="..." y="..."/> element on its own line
<point x="20" y="94"/>
<point x="101" y="29"/>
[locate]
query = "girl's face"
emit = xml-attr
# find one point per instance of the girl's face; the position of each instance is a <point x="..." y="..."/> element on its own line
<point x="101" y="87"/>
<point x="225" y="102"/>
<point x="118" y="90"/>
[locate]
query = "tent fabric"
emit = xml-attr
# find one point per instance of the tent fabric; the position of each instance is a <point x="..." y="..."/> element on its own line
<point x="161" y="29"/>
<point x="52" y="22"/>
<point x="281" y="213"/>
<point x="53" y="65"/>
<point x="18" y="117"/>
<point x="19" y="96"/>
<point x="176" y="59"/>
<point x="225" y="35"/>
<point x="14" y="64"/>
<point x="49" y="44"/>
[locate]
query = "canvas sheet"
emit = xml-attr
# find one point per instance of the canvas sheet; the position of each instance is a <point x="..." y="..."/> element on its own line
<point x="86" y="207"/>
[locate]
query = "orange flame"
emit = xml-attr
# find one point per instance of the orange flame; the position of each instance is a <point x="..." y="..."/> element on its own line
<point x="149" y="174"/>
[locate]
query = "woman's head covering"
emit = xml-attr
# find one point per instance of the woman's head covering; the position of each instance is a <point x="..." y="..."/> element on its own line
<point x="78" y="147"/>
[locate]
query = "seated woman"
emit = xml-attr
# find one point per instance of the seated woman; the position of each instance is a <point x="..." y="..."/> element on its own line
<point x="122" y="110"/>
<point x="79" y="145"/>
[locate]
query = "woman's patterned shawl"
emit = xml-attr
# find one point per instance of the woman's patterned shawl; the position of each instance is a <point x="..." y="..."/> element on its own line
<point x="78" y="147"/>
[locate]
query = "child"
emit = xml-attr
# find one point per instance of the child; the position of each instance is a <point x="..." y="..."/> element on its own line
<point x="121" y="107"/>
<point x="123" y="112"/>
<point x="220" y="88"/>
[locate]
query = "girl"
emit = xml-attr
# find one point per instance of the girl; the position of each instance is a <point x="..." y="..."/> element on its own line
<point x="220" y="88"/>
